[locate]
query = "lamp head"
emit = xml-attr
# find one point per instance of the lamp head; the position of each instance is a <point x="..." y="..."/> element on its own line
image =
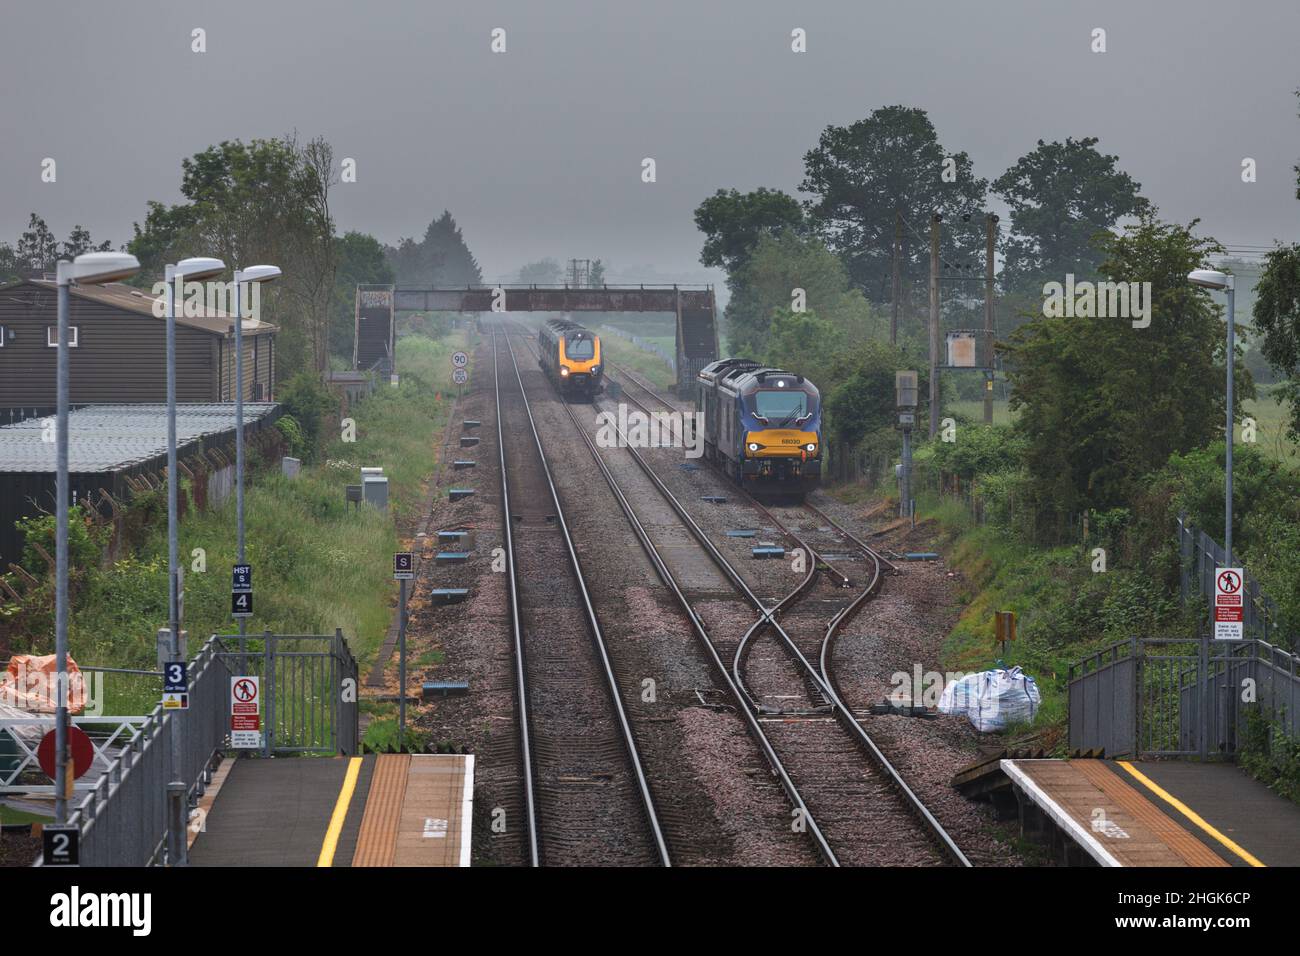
<point x="1210" y="279"/>
<point x="258" y="274"/>
<point x="93" y="268"/>
<point x="196" y="268"/>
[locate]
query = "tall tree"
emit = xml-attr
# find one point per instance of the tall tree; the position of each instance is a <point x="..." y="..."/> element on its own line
<point x="783" y="273"/>
<point x="262" y="201"/>
<point x="733" y="221"/>
<point x="37" y="248"/>
<point x="440" y="258"/>
<point x="1062" y="195"/>
<point x="1103" y="404"/>
<point x="861" y="175"/>
<point x="542" y="272"/>
<point x="1277" y="318"/>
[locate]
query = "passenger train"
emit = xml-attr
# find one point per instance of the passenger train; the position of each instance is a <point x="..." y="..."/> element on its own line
<point x="762" y="425"/>
<point x="570" y="356"/>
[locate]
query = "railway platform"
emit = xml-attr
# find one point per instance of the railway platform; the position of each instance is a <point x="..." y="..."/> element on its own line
<point x="376" y="810"/>
<point x="1119" y="813"/>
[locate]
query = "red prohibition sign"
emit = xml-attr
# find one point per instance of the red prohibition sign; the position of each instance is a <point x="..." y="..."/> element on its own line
<point x="245" y="690"/>
<point x="1229" y="583"/>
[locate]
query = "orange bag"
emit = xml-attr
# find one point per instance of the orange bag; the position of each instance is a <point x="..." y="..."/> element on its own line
<point x="30" y="684"/>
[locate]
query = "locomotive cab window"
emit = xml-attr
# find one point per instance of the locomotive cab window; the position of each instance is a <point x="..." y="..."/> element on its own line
<point x="776" y="404"/>
<point x="579" y="347"/>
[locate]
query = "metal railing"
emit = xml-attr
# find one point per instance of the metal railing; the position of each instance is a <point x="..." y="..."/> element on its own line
<point x="309" y="691"/>
<point x="1199" y="556"/>
<point x="1175" y="697"/>
<point x="125" y="817"/>
<point x="144" y="797"/>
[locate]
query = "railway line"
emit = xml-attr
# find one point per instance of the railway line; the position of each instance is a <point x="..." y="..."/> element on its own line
<point x="586" y="796"/>
<point x="854" y="811"/>
<point x="804" y="624"/>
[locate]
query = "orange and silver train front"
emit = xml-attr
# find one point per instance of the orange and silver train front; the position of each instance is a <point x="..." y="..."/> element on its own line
<point x="580" y="360"/>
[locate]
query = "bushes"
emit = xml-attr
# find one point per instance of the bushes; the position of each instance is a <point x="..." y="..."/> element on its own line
<point x="309" y="403"/>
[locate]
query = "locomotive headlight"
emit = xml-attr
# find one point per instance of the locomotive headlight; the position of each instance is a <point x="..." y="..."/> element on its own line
<point x="564" y="372"/>
<point x="812" y="447"/>
<point x="753" y="446"/>
<point x="595" y="370"/>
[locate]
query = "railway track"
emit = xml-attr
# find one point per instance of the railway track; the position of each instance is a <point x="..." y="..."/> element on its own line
<point x="586" y="796"/>
<point x="810" y="695"/>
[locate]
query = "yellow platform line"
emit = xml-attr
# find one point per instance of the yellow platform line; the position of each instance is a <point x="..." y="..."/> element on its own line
<point x="1188" y="812"/>
<point x="340" y="814"/>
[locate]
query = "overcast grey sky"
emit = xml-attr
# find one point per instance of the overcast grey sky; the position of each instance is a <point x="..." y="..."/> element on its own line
<point x="538" y="151"/>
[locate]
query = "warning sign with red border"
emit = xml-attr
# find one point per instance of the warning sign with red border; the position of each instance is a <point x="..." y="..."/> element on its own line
<point x="245" y="712"/>
<point x="1229" y="604"/>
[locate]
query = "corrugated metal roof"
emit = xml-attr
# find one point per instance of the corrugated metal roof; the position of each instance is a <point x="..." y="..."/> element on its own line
<point x="104" y="438"/>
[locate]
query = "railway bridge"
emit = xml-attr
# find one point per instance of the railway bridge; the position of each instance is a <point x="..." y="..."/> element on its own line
<point x="693" y="307"/>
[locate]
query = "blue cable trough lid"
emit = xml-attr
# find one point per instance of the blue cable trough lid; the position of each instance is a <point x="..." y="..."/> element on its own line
<point x="460" y="464"/>
<point x="468" y="441"/>
<point x="444" y="688"/>
<point x="714" y="499"/>
<point x="449" y="595"/>
<point x="455" y="535"/>
<point x="742" y="533"/>
<point x="455" y="494"/>
<point x="452" y="557"/>
<point x="469" y="423"/>
<point x="769" y="551"/>
<point x="688" y="466"/>
<point x="921" y="556"/>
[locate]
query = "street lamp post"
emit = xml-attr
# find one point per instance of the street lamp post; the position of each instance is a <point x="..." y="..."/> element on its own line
<point x="91" y="268"/>
<point x="257" y="274"/>
<point x="196" y="269"/>
<point x="1213" y="279"/>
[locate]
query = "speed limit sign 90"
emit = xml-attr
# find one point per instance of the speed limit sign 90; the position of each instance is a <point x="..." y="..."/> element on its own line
<point x="459" y="359"/>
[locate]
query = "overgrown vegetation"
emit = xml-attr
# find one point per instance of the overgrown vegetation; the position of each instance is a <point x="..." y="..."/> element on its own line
<point x="319" y="565"/>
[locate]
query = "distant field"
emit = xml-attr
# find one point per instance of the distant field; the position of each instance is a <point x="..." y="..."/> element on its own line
<point x="974" y="410"/>
<point x="1269" y="414"/>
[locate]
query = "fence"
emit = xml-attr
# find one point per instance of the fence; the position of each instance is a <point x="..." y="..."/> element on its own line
<point x="1200" y="556"/>
<point x="308" y="688"/>
<point x="309" y="685"/>
<point x="1180" y="697"/>
<point x="641" y="343"/>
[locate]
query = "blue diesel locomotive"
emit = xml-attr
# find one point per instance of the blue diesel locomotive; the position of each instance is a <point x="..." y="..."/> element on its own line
<point x="762" y="426"/>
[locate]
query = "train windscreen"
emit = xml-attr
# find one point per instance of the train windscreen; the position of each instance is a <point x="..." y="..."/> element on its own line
<point x="779" y="404"/>
<point x="579" y="346"/>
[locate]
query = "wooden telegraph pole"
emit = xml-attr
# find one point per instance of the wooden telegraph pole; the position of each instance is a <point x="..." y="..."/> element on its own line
<point x="990" y="225"/>
<point x="898" y="276"/>
<point x="935" y="219"/>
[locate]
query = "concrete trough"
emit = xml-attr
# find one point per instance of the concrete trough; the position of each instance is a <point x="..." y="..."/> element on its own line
<point x="921" y="556"/>
<point x="461" y="464"/>
<point x="768" y="551"/>
<point x="455" y="494"/>
<point x="451" y="557"/>
<point x="469" y="423"/>
<point x="468" y="441"/>
<point x="448" y="595"/>
<point x="444" y="688"/>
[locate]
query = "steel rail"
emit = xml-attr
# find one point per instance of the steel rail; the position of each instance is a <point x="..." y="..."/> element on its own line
<point x="598" y="636"/>
<point x="701" y="632"/>
<point x="521" y="682"/>
<point x="821" y="677"/>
